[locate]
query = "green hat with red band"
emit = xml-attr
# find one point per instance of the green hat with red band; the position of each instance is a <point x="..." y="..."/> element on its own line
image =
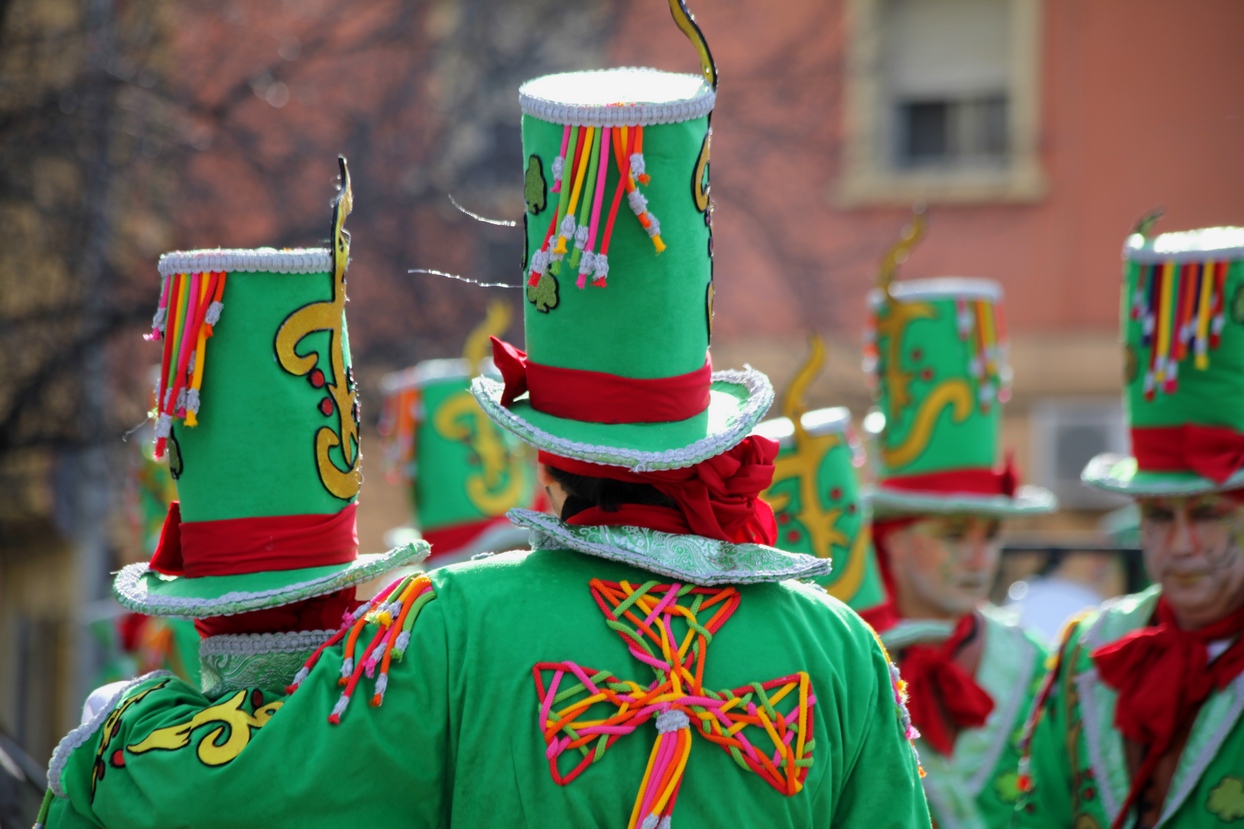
<point x="1183" y="339"/>
<point x="619" y="277"/>
<point x="816" y="495"/>
<point x="463" y="473"/>
<point x="257" y="415"/>
<point x="938" y="354"/>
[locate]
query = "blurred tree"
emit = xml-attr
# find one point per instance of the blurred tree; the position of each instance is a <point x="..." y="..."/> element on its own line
<point x="84" y="191"/>
<point x="420" y="95"/>
<point x="83" y="187"/>
<point x="133" y="127"/>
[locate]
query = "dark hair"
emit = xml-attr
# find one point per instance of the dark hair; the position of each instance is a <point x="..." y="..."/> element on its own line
<point x="605" y="493"/>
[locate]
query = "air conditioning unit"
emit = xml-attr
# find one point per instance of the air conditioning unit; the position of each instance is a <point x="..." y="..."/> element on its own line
<point x="1065" y="434"/>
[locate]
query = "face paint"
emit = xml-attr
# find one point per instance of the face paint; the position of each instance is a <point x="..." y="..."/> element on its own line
<point x="944" y="567"/>
<point x="1194" y="548"/>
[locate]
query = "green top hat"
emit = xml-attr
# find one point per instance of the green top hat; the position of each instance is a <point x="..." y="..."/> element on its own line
<point x="816" y="495"/>
<point x="257" y="414"/>
<point x="938" y="353"/>
<point x="619" y="276"/>
<point x="1183" y="306"/>
<point x="462" y="472"/>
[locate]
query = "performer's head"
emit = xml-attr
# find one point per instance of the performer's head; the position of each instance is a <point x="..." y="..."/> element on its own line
<point x="570" y="494"/>
<point x="1193" y="547"/>
<point x="939" y="566"/>
<point x="1183" y="387"/>
<point x="944" y="485"/>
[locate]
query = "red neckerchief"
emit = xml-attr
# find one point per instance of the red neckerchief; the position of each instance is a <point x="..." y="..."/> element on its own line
<point x="1163" y="674"/>
<point x="939" y="689"/>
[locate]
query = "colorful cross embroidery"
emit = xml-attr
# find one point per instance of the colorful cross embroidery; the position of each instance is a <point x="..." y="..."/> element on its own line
<point x="644" y="615"/>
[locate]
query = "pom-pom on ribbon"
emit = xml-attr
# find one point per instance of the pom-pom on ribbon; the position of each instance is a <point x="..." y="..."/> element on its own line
<point x="638" y="202"/>
<point x="157" y="323"/>
<point x="637" y="168"/>
<point x="586" y="266"/>
<point x="600" y="270"/>
<point x="559" y="166"/>
<point x="564" y="234"/>
<point x="540" y="262"/>
<point x="192" y="406"/>
<point x="213" y="313"/>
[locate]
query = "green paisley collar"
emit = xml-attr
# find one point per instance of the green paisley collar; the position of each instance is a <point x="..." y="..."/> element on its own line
<point x="689" y="558"/>
<point x="255" y="660"/>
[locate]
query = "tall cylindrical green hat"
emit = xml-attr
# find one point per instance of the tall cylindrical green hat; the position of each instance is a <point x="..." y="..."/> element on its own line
<point x="619" y="278"/>
<point x="1183" y="340"/>
<point x="463" y="473"/>
<point x="938" y="353"/>
<point x="257" y="414"/>
<point x="816" y="495"/>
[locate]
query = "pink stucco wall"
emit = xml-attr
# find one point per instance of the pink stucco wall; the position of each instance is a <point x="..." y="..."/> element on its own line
<point x="1142" y="104"/>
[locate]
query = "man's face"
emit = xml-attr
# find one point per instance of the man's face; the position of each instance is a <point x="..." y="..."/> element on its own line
<point x="944" y="566"/>
<point x="1192" y="547"/>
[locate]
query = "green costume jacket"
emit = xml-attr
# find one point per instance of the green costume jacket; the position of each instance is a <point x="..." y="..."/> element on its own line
<point x="795" y="718"/>
<point x="976" y="787"/>
<point x="1076" y="764"/>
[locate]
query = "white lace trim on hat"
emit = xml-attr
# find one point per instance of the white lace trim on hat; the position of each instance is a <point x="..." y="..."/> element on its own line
<point x="130" y="588"/>
<point x="942" y="287"/>
<point x="630" y="96"/>
<point x="259" y="260"/>
<point x="1206" y="244"/>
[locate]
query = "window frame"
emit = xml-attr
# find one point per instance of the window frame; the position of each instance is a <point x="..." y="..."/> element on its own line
<point x="869" y="175"/>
